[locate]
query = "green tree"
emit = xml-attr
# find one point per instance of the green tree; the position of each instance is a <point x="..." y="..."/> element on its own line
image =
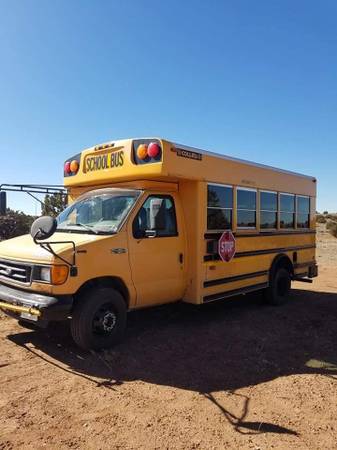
<point x="14" y="223"/>
<point x="54" y="204"/>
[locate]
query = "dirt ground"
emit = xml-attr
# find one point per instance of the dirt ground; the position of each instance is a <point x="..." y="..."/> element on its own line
<point x="230" y="375"/>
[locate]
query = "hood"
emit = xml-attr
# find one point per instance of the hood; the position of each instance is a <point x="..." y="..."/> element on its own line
<point x="23" y="248"/>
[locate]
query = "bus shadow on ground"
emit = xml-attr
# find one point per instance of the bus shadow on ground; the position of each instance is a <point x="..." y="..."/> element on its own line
<point x="215" y="347"/>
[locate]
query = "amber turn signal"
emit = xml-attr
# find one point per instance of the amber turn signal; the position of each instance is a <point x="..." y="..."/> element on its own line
<point x="74" y="166"/>
<point x="59" y="274"/>
<point x="142" y="151"/>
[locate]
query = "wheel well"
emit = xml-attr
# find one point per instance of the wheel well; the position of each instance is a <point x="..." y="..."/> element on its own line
<point x="281" y="261"/>
<point x="110" y="282"/>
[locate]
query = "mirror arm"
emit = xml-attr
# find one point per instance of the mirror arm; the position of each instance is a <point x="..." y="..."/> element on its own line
<point x="46" y="246"/>
<point x="35" y="236"/>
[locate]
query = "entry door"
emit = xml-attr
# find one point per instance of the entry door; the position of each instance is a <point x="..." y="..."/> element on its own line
<point x="156" y="252"/>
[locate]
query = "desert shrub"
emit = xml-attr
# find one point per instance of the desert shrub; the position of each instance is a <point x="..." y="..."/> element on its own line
<point x="331" y="225"/>
<point x="14" y="223"/>
<point x="332" y="217"/>
<point x="333" y="230"/>
<point x="320" y="218"/>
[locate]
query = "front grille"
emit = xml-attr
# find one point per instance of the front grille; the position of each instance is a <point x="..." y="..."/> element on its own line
<point x="15" y="271"/>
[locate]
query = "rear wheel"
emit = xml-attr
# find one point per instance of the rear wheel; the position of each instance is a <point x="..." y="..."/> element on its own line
<point x="279" y="288"/>
<point x="99" y="319"/>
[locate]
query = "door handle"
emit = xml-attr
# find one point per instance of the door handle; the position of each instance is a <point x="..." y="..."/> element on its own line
<point x="181" y="258"/>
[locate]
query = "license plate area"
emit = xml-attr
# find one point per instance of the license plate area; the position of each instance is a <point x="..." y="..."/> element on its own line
<point x="28" y="316"/>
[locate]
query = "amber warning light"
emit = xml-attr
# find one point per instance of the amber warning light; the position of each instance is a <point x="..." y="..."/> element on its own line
<point x="147" y="152"/>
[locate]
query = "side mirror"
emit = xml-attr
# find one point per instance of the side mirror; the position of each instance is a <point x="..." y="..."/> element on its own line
<point x="3" y="203"/>
<point x="43" y="228"/>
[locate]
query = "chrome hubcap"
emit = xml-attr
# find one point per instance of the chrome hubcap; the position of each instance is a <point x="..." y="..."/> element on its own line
<point x="109" y="321"/>
<point x="104" y="321"/>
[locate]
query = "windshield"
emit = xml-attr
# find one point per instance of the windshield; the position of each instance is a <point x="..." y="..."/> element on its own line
<point x="100" y="211"/>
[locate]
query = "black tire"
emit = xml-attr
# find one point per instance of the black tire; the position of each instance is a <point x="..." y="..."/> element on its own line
<point x="99" y="319"/>
<point x="279" y="287"/>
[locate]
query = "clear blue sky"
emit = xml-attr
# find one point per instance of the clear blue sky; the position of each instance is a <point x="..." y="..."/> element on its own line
<point x="253" y="79"/>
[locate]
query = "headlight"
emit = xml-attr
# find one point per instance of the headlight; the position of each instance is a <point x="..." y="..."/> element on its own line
<point x="45" y="274"/>
<point x="53" y="274"/>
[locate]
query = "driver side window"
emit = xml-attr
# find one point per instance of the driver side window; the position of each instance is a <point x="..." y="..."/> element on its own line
<point x="156" y="218"/>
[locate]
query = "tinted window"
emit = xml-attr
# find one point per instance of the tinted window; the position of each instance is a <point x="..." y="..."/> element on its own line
<point x="246" y="218"/>
<point x="219" y="219"/>
<point x="246" y="208"/>
<point x="219" y="196"/>
<point x="268" y="219"/>
<point x="268" y="201"/>
<point x="219" y="207"/>
<point x="287" y="220"/>
<point x="246" y="199"/>
<point x="287" y="203"/>
<point x="158" y="215"/>
<point x="303" y="212"/>
<point x="303" y="221"/>
<point x="303" y="205"/>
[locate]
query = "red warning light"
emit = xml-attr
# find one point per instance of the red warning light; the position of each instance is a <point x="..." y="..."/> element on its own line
<point x="67" y="168"/>
<point x="153" y="150"/>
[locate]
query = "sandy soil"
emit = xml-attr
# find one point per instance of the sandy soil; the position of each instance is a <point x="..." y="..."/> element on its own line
<point x="231" y="375"/>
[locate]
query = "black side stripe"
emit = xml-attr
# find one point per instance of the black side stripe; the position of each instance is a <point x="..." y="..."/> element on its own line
<point x="245" y="290"/>
<point x="274" y="250"/>
<point x="245" y="276"/>
<point x="217" y="235"/>
<point x="216" y="257"/>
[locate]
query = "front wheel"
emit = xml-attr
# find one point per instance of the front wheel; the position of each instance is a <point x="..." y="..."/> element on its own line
<point x="99" y="319"/>
<point x="279" y="288"/>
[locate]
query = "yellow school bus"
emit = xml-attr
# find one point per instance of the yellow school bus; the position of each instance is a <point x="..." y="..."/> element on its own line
<point x="151" y="222"/>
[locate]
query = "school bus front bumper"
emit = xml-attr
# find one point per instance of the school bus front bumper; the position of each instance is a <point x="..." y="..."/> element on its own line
<point x="34" y="306"/>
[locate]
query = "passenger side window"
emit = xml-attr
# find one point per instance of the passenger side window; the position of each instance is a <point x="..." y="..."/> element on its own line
<point x="287" y="211"/>
<point x="156" y="218"/>
<point x="246" y="208"/>
<point x="303" y="212"/>
<point x="268" y="210"/>
<point x="219" y="207"/>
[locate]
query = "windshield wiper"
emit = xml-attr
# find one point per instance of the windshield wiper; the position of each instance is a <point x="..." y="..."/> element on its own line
<point x="88" y="227"/>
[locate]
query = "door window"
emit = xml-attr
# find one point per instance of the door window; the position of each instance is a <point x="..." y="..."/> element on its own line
<point x="156" y="218"/>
